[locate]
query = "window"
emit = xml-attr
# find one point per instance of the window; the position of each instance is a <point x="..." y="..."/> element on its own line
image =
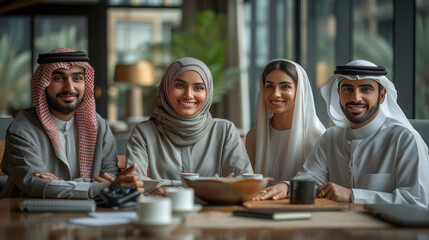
<point x="147" y="3"/>
<point x="270" y="28"/>
<point x="52" y="32"/>
<point x="17" y="49"/>
<point x="373" y="32"/>
<point x="325" y="41"/>
<point x="422" y="58"/>
<point x="15" y="64"/>
<point x="322" y="40"/>
<point x="130" y="32"/>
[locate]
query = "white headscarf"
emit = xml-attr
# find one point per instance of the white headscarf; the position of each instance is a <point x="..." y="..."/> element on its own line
<point x="389" y="107"/>
<point x="305" y="131"/>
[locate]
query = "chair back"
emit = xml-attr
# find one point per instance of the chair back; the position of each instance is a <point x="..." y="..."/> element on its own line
<point x="4" y="124"/>
<point x="2" y="145"/>
<point x="3" y="177"/>
<point x="422" y="127"/>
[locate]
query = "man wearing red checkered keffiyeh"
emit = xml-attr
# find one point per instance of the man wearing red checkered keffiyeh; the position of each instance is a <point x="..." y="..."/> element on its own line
<point x="61" y="146"/>
<point x="85" y="113"/>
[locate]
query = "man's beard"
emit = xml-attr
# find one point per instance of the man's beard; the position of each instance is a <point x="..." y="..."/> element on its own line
<point x="68" y="107"/>
<point x="367" y="115"/>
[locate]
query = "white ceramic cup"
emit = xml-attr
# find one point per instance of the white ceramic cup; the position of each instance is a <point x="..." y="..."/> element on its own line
<point x="154" y="210"/>
<point x="188" y="176"/>
<point x="182" y="199"/>
<point x="253" y="176"/>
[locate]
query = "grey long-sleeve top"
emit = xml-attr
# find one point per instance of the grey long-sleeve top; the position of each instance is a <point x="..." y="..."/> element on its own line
<point x="220" y="151"/>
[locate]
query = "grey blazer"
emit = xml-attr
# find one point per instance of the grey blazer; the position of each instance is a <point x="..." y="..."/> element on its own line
<point x="29" y="150"/>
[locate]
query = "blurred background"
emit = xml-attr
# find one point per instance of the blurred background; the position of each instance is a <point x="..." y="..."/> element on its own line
<point x="130" y="43"/>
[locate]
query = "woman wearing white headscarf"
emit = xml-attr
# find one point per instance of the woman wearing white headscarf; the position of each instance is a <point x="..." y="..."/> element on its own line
<point x="286" y="127"/>
<point x="181" y="136"/>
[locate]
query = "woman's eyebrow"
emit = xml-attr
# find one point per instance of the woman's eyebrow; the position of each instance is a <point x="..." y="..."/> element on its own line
<point x="180" y="80"/>
<point x="286" y="82"/>
<point x="183" y="81"/>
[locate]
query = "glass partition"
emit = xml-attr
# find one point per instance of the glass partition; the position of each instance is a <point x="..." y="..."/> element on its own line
<point x="15" y="64"/>
<point x="421" y="60"/>
<point x="373" y="32"/>
<point x="131" y="34"/>
<point x="52" y="32"/>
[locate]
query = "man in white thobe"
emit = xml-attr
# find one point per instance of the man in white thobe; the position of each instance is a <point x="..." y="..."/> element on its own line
<point x="373" y="154"/>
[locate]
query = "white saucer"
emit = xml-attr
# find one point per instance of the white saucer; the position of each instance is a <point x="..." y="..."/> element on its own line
<point x="187" y="213"/>
<point x="157" y="228"/>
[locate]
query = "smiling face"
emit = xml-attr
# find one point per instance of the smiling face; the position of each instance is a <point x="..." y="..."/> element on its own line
<point x="360" y="100"/>
<point x="66" y="92"/>
<point x="187" y="93"/>
<point x="279" y="92"/>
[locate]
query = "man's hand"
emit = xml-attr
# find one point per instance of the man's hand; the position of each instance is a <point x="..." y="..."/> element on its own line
<point x="335" y="192"/>
<point x="126" y="179"/>
<point x="158" y="192"/>
<point x="47" y="175"/>
<point x="231" y="175"/>
<point x="276" y="192"/>
<point x="104" y="178"/>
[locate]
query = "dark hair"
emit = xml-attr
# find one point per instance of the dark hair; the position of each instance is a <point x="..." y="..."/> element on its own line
<point x="285" y="66"/>
<point x="380" y="87"/>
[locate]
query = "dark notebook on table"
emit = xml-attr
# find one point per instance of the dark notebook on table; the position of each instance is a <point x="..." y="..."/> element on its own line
<point x="272" y="213"/>
<point x="401" y="215"/>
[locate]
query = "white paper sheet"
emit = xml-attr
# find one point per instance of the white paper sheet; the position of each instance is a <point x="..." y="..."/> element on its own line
<point x="100" y="219"/>
<point x="119" y="214"/>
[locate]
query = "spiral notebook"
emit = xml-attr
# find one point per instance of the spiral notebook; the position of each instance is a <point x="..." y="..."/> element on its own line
<point x="58" y="205"/>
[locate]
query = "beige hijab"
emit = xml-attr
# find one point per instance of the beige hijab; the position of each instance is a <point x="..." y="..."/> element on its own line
<point x="183" y="130"/>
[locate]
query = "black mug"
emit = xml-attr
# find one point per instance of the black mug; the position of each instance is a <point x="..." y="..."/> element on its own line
<point x="302" y="192"/>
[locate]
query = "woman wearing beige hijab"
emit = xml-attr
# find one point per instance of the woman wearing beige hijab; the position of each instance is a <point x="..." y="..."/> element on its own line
<point x="181" y="136"/>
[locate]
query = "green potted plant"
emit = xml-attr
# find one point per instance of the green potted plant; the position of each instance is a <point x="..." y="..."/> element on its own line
<point x="206" y="40"/>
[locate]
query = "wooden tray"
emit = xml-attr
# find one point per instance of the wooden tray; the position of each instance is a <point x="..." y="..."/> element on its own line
<point x="226" y="190"/>
<point x="321" y="204"/>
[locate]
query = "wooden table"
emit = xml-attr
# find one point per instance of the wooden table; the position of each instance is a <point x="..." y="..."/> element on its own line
<point x="213" y="222"/>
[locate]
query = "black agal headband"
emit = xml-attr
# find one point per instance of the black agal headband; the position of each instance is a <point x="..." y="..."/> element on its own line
<point x="360" y="70"/>
<point x="79" y="56"/>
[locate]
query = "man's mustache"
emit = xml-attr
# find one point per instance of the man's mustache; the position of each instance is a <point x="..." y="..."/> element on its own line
<point x="68" y="94"/>
<point x="356" y="103"/>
